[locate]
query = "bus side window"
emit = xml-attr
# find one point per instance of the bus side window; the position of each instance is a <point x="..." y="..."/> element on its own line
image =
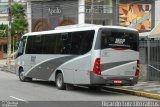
<point x="66" y="43"/>
<point x="21" y="47"/>
<point x="37" y="44"/>
<point x="76" y="41"/>
<point x="104" y="41"/>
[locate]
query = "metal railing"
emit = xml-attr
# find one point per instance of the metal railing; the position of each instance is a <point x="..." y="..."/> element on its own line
<point x="154" y="68"/>
<point x="150" y="56"/>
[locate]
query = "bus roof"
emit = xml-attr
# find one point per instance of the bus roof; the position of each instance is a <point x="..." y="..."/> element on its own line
<point x="71" y="28"/>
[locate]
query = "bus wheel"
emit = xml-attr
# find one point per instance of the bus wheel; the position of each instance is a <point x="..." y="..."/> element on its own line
<point x="60" y="81"/>
<point x="21" y="75"/>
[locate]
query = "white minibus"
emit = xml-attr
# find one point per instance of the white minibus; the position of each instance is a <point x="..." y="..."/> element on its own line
<point x="89" y="55"/>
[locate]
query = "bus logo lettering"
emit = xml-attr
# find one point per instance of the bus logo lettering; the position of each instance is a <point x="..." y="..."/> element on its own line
<point x="119" y="41"/>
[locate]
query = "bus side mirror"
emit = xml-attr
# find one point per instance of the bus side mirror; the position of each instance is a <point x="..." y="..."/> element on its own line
<point x="17" y="44"/>
<point x="18" y="54"/>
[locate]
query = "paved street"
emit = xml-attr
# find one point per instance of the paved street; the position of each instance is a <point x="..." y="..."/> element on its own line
<point x="14" y="90"/>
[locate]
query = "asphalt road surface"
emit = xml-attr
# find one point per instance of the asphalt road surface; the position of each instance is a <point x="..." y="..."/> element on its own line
<point x="44" y="94"/>
<point x="14" y="93"/>
<point x="14" y="90"/>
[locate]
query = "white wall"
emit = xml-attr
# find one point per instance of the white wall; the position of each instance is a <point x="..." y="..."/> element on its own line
<point x="157" y="12"/>
<point x="81" y="11"/>
<point x="29" y="17"/>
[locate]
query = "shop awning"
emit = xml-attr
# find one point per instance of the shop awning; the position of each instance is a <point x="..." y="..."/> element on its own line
<point x="155" y="31"/>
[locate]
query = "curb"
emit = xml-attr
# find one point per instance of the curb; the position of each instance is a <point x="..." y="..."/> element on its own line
<point x="9" y="71"/>
<point x="133" y="92"/>
<point x="4" y="69"/>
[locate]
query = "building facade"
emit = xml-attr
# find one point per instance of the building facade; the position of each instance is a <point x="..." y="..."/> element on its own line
<point x="103" y="12"/>
<point x="137" y="14"/>
<point x="157" y="9"/>
<point x="48" y="14"/>
<point x="3" y="22"/>
<point x="3" y="12"/>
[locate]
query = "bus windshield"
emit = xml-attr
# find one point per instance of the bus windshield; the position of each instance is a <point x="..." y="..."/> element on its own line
<point x="119" y="39"/>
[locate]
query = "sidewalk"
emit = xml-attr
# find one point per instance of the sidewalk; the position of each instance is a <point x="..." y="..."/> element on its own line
<point x="149" y="89"/>
<point x="3" y="65"/>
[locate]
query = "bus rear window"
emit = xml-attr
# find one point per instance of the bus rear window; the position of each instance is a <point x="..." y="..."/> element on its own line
<point x="119" y="38"/>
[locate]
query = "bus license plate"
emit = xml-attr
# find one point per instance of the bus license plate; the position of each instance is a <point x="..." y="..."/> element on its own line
<point x="117" y="81"/>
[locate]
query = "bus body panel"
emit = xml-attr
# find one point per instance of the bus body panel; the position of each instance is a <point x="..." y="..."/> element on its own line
<point x="119" y="55"/>
<point x="118" y="62"/>
<point x="78" y="67"/>
<point x="36" y="63"/>
<point x="45" y="69"/>
<point x="127" y="68"/>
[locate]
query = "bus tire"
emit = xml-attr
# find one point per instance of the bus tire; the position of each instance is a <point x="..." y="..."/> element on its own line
<point x="21" y="75"/>
<point x="60" y="81"/>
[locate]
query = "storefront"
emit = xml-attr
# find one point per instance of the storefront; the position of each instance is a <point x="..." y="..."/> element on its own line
<point x="47" y="15"/>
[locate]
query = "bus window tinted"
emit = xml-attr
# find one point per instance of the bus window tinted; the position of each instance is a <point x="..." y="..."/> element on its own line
<point x="81" y="42"/>
<point x="75" y="43"/>
<point x="49" y="44"/>
<point x="65" y="43"/>
<point x="34" y="44"/>
<point x="113" y="38"/>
